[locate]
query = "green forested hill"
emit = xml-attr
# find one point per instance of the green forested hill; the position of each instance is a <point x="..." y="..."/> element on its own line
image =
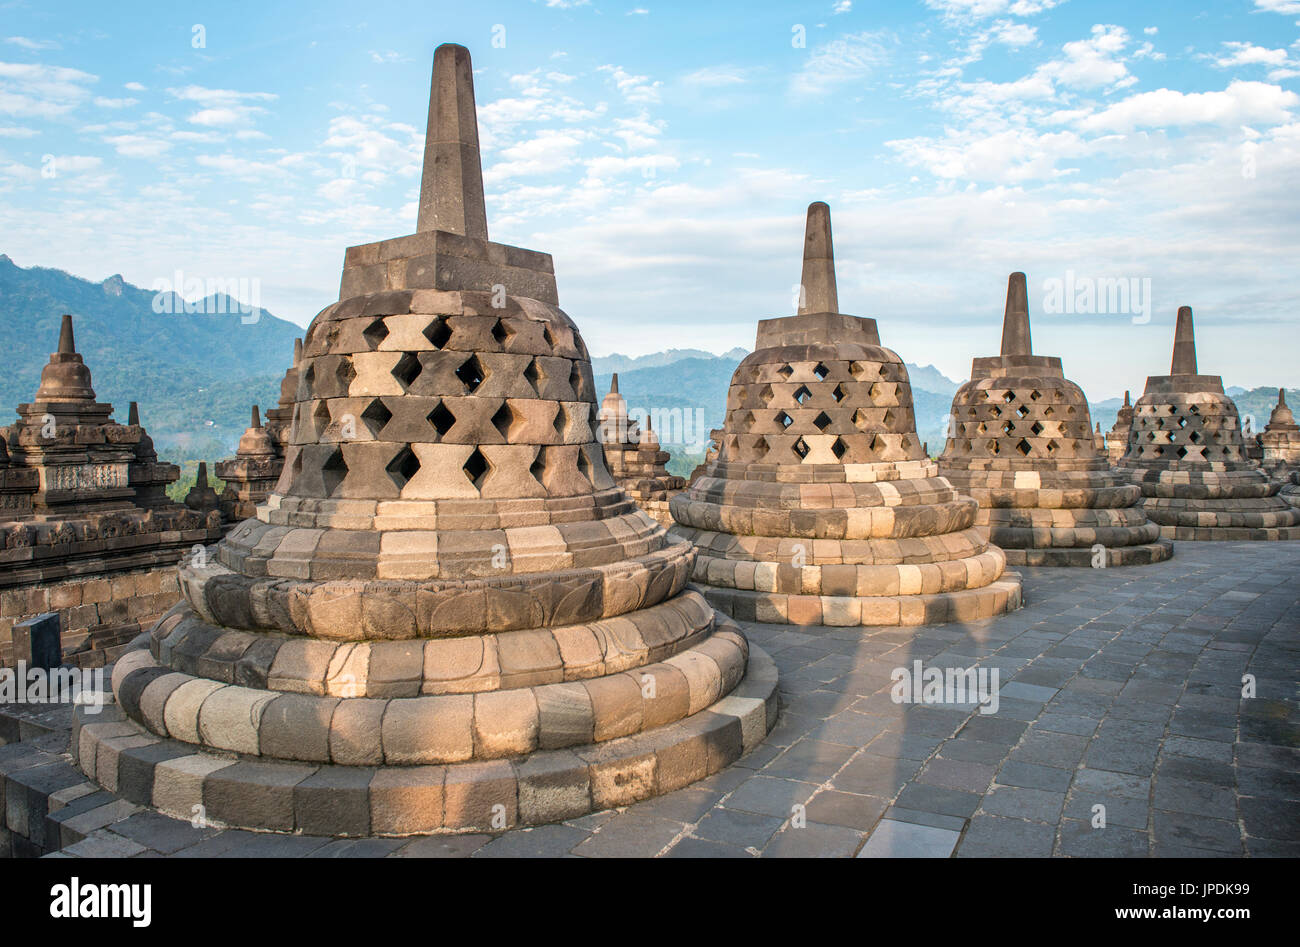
<point x="194" y="374"/>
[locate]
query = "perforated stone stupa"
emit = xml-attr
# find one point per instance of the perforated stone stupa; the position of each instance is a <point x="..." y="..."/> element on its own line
<point x="821" y="507"/>
<point x="1022" y="444"/>
<point x="635" y="458"/>
<point x="446" y="616"/>
<point x="1186" y="452"/>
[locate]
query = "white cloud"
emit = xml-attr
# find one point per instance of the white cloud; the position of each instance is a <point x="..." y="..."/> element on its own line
<point x="15" y="131"/>
<point x="32" y="44"/>
<point x="115" y="103"/>
<point x="639" y="90"/>
<point x="1014" y="34"/>
<point x="842" y="6"/>
<point x="139" y="146"/>
<point x="850" y="58"/>
<point x="1091" y="63"/>
<point x="958" y="10"/>
<point x="551" y="150"/>
<point x="40" y="91"/>
<point x="1239" y="104"/>
<point x="1278" y="6"/>
<point x="1246" y="54"/>
<point x="222" y="107"/>
<point x="714" y="76"/>
<point x="134" y="87"/>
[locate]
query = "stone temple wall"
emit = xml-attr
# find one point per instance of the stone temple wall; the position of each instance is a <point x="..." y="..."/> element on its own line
<point x="98" y="615"/>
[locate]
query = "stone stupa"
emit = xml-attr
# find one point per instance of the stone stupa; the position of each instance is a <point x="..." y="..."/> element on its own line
<point x="446" y="616"/>
<point x="1280" y="440"/>
<point x="82" y="494"/>
<point x="1022" y="443"/>
<point x="635" y="458"/>
<point x="250" y="476"/>
<point x="1187" y="454"/>
<point x="821" y="507"/>
<point x="1117" y="436"/>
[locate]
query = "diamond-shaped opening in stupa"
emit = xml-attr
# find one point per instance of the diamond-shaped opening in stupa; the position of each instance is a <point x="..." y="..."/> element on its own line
<point x="784" y="419"/>
<point x="438" y="332"/>
<point x="376" y="416"/>
<point x="860" y="419"/>
<point x="889" y="417"/>
<point x="1034" y="395"/>
<point x="1037" y="428"/>
<point x="1008" y="396"/>
<point x="1024" y="447"/>
<point x="344" y="372"/>
<point x="578" y="382"/>
<point x="1052" y="447"/>
<point x="504" y="417"/>
<point x="548" y="335"/>
<point x="375" y="333"/>
<point x="822" y="422"/>
<point x="407" y="370"/>
<point x="1192" y="409"/>
<point x="858" y="369"/>
<point x="333" y="471"/>
<point x="1182" y="421"/>
<point x="802" y="394"/>
<point x="585" y="467"/>
<point x="761" y="447"/>
<point x="538" y="467"/>
<point x="1048" y="411"/>
<point x="801" y="448"/>
<point x="1023" y="410"/>
<point x="839" y="448"/>
<point x="533" y="373"/>
<point x="476" y="468"/>
<point x="471" y="374"/>
<point x="1007" y="428"/>
<point x="785" y="371"/>
<point x="993" y="447"/>
<point x="821" y="371"/>
<point x="561" y="422"/>
<point x="1181" y="452"/>
<point x="766" y="395"/>
<point x="403" y="467"/>
<point x="500" y="333"/>
<point x="995" y="411"/>
<point x="1194" y="437"/>
<point x="321" y="418"/>
<point x="442" y="419"/>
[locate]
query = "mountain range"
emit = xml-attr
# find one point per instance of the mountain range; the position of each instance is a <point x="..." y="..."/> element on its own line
<point x="196" y="368"/>
<point x="195" y="373"/>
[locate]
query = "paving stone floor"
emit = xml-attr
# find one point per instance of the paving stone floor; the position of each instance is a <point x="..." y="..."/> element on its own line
<point x="1120" y="688"/>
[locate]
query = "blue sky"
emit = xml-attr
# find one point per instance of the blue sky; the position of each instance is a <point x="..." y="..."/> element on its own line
<point x="664" y="153"/>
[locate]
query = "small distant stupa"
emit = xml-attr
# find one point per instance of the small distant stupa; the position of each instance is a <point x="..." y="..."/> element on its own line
<point x="1187" y="453"/>
<point x="635" y="458"/>
<point x="1023" y="445"/>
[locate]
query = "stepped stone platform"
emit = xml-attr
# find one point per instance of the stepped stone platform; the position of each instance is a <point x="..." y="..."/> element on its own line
<point x="1023" y="445"/>
<point x="1118" y="687"/>
<point x="635" y="457"/>
<point x="1187" y="454"/>
<point x="83" y="498"/>
<point x="821" y="507"/>
<point x="446" y="615"/>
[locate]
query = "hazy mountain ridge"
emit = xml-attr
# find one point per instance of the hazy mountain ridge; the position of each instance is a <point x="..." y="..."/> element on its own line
<point x="195" y="374"/>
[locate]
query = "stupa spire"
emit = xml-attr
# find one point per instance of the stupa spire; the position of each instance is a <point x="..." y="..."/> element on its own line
<point x="1127" y="404"/>
<point x="613" y="388"/>
<point x="297" y="352"/>
<point x="133" y="413"/>
<point x="817" y="285"/>
<point x="1015" y="321"/>
<point x="1184" y="361"/>
<point x="257" y="418"/>
<point x="67" y="346"/>
<point x="451" y="190"/>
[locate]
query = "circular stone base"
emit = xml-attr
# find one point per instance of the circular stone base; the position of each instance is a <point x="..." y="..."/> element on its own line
<point x="230" y="790"/>
<point x="1115" y="555"/>
<point x="1229" y="533"/>
<point x="1001" y="596"/>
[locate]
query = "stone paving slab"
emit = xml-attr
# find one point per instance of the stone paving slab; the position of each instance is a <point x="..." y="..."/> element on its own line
<point x="1120" y="698"/>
